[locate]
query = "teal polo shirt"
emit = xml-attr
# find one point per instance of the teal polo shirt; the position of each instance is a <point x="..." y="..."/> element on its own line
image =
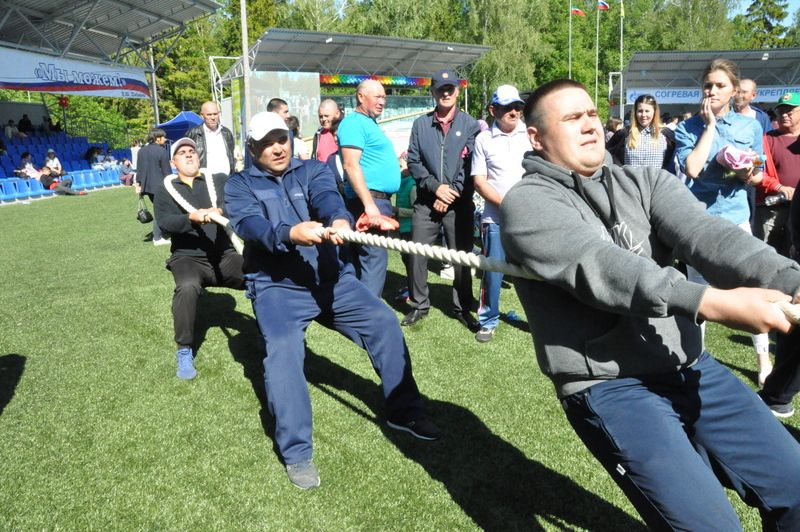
<point x="378" y="160"/>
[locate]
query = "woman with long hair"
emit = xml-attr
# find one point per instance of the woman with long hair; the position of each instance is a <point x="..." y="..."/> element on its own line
<point x="646" y="142"/>
<point x="699" y="140"/>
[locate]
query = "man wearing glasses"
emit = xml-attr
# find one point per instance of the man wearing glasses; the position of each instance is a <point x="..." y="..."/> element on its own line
<point x="496" y="167"/>
<point x="439" y="158"/>
<point x="774" y="194"/>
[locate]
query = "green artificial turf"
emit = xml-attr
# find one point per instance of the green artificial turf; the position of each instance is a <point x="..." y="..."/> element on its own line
<point x="97" y="433"/>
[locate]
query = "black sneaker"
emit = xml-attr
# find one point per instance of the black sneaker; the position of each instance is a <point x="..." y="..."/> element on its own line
<point x="420" y="428"/>
<point x="303" y="474"/>
<point x="782" y="411"/>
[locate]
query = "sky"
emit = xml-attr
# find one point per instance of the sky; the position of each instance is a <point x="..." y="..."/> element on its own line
<point x="792" y="9"/>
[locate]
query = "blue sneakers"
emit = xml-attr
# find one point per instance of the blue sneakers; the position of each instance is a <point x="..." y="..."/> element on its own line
<point x="185" y="360"/>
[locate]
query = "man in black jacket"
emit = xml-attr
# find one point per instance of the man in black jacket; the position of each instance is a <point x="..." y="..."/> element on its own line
<point x="439" y="158"/>
<point x="202" y="254"/>
<point x="214" y="141"/>
<point x="152" y="164"/>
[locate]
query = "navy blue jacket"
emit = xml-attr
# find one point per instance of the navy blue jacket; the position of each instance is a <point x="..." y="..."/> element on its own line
<point x="263" y="208"/>
<point x="436" y="159"/>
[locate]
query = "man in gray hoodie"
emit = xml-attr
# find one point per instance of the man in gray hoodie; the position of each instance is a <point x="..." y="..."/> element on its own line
<point x="615" y="326"/>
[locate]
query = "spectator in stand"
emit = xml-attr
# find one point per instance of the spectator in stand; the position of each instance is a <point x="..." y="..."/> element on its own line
<point x="54" y="163"/>
<point x="127" y="174"/>
<point x="440" y="157"/>
<point x="62" y="187"/>
<point x="774" y="194"/>
<point x="214" y="141"/>
<point x="741" y="103"/>
<point x="324" y="143"/>
<point x="2" y="146"/>
<point x="151" y="167"/>
<point x="25" y="168"/>
<point x="646" y="142"/>
<point x="25" y="125"/>
<point x="299" y="146"/>
<point x="723" y="190"/>
<point x="496" y="167"/>
<point x="202" y="253"/>
<point x="11" y="131"/>
<point x="373" y="174"/>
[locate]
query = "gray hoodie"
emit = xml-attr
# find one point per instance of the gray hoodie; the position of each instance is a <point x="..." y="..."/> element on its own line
<point x="612" y="305"/>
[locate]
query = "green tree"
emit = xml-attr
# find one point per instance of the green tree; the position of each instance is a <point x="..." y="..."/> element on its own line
<point x="763" y="24"/>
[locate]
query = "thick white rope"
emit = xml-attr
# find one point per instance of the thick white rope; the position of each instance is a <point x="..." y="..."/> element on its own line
<point x="238" y="245"/>
<point x="471" y="260"/>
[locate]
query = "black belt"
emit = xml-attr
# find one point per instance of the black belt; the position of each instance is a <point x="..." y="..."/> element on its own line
<point x="380" y="195"/>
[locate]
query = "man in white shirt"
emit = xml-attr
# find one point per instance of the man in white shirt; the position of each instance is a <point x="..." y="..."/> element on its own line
<point x="496" y="167"/>
<point x="214" y="141"/>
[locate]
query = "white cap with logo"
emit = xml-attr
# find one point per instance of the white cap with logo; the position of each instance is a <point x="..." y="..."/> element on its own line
<point x="262" y="123"/>
<point x="185" y="141"/>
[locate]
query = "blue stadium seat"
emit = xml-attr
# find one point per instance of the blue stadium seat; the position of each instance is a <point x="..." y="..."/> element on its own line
<point x="8" y="191"/>
<point x="38" y="188"/>
<point x="23" y="188"/>
<point x="78" y="180"/>
<point x="34" y="191"/>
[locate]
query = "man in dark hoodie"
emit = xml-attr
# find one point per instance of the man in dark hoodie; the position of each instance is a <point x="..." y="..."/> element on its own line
<point x="615" y="326"/>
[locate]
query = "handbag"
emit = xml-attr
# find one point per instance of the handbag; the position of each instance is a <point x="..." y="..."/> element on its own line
<point x="143" y="215"/>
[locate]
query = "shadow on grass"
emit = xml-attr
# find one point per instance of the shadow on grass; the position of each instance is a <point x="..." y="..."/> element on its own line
<point x="440" y="292"/>
<point x="491" y="480"/>
<point x="11" y="368"/>
<point x="245" y="344"/>
<point x="793" y="431"/>
<point x="741" y="339"/>
<point x="749" y="373"/>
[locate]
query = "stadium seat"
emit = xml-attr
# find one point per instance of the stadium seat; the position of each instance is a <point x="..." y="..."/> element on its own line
<point x="78" y="180"/>
<point x="8" y="191"/>
<point x="34" y="191"/>
<point x="23" y="188"/>
<point x="39" y="189"/>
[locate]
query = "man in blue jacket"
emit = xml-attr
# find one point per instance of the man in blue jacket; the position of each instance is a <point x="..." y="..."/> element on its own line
<point x="279" y="206"/>
<point x="439" y="158"/>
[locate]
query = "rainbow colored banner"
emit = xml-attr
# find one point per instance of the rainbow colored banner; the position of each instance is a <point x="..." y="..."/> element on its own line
<point x="386" y="81"/>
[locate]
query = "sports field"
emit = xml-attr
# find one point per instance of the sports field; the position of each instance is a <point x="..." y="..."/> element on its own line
<point x="97" y="433"/>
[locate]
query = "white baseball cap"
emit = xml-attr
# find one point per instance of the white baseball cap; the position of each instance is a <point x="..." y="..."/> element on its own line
<point x="506" y="95"/>
<point x="262" y="123"/>
<point x="185" y="141"/>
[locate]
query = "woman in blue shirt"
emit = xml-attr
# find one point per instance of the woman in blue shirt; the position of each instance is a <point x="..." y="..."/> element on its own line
<point x="724" y="191"/>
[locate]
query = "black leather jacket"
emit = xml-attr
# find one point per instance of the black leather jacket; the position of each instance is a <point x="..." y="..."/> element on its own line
<point x="199" y="138"/>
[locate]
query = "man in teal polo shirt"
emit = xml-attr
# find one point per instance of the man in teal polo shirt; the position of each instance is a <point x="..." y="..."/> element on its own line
<point x="373" y="172"/>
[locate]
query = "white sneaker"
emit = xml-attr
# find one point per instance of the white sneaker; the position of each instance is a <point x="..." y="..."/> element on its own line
<point x="162" y="242"/>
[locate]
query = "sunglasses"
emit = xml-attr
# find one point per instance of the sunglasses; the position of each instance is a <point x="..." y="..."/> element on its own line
<point x="518" y="107"/>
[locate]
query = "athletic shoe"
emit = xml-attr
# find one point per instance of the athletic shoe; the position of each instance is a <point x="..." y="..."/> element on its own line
<point x="303" y="474"/>
<point x="419" y="428"/>
<point x="161" y="242"/>
<point x="484" y="335"/>
<point x="185" y="360"/>
<point x="782" y="411"/>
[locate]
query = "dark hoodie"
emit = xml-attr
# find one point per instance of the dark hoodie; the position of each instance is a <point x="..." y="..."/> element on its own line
<point x="611" y="304"/>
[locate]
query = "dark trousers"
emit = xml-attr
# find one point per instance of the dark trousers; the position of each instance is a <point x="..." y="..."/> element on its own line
<point x="347" y="306"/>
<point x="784" y="382"/>
<point x="670" y="440"/>
<point x="157" y="234"/>
<point x="191" y="275"/>
<point x="426" y="225"/>
<point x="370" y="262"/>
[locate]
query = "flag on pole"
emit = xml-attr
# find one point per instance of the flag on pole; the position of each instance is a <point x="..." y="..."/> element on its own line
<point x="575" y="11"/>
<point x="602" y="6"/>
<point x="622" y="10"/>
